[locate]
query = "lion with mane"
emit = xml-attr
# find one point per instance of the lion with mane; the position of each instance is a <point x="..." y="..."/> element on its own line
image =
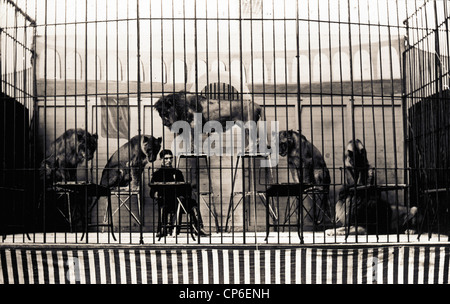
<point x="182" y="106"/>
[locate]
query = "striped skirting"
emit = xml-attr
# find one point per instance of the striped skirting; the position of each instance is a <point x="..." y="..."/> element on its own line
<point x="368" y="265"/>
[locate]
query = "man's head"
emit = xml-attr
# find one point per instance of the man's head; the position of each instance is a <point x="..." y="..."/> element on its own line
<point x="166" y="158"/>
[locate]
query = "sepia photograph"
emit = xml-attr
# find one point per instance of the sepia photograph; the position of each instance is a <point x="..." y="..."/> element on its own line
<point x="216" y="149"/>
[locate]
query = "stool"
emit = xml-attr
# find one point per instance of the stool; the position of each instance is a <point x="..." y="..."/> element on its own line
<point x="205" y="196"/>
<point x="56" y="194"/>
<point x="252" y="193"/>
<point x="175" y="187"/>
<point x="90" y="190"/>
<point x="123" y="196"/>
<point x="60" y="193"/>
<point x="164" y="225"/>
<point x="321" y="208"/>
<point x="297" y="190"/>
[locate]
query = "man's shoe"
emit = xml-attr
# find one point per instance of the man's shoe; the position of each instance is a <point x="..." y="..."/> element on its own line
<point x="161" y="235"/>
<point x="200" y="232"/>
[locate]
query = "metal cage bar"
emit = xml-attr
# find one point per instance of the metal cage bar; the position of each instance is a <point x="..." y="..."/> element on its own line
<point x="358" y="94"/>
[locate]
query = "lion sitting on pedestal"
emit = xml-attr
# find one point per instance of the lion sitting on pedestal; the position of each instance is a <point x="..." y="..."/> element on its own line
<point x="64" y="155"/>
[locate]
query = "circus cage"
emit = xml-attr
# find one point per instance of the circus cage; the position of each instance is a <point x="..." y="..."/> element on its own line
<point x="87" y="90"/>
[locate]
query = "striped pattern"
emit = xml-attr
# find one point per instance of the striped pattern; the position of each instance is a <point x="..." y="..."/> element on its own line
<point x="386" y="265"/>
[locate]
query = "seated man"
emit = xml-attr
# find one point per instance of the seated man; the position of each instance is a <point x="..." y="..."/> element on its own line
<point x="168" y="199"/>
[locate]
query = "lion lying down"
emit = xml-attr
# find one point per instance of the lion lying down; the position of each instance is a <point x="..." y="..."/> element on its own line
<point x="183" y="106"/>
<point x="375" y="216"/>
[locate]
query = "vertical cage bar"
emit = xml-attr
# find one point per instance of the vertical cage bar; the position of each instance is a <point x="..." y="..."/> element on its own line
<point x="259" y="38"/>
<point x="139" y="101"/>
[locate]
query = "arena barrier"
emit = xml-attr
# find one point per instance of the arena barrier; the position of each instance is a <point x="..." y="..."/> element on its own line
<point x="361" y="264"/>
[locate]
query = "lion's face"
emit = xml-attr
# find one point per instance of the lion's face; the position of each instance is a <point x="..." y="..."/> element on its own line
<point x="355" y="154"/>
<point x="169" y="110"/>
<point x="168" y="116"/>
<point x="87" y="145"/>
<point x="285" y="140"/>
<point x="150" y="147"/>
<point x="176" y="107"/>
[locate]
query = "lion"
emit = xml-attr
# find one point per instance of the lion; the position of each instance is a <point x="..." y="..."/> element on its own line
<point x="182" y="106"/>
<point x="357" y="168"/>
<point x="362" y="211"/>
<point x="307" y="164"/>
<point x="299" y="150"/>
<point x="64" y="155"/>
<point x="124" y="167"/>
<point x="359" y="207"/>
